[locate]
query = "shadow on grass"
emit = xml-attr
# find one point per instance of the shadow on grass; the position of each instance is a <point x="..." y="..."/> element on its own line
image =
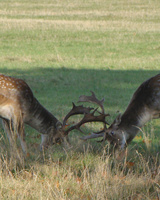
<point x="66" y="84"/>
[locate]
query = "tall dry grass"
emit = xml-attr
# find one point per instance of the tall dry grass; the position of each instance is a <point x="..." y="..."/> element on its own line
<point x="78" y="172"/>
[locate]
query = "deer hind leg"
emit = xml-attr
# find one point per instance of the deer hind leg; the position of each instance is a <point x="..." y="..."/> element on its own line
<point x="21" y="136"/>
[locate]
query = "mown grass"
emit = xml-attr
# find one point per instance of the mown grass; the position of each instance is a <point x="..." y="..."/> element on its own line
<point x="64" y="49"/>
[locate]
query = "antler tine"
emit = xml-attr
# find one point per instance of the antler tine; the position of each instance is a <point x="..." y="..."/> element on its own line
<point x="92" y="99"/>
<point x="75" y="111"/>
<point x="98" y="134"/>
<point x="93" y="135"/>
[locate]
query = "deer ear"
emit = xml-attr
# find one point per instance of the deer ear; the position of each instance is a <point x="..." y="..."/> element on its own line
<point x="117" y="121"/>
<point x="58" y="125"/>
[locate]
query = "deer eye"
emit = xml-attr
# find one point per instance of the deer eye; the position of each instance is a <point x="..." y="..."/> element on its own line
<point x="112" y="132"/>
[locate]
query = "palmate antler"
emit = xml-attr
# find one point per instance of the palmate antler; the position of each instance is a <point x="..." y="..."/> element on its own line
<point x="92" y="99"/>
<point x="76" y="110"/>
<point x="88" y="116"/>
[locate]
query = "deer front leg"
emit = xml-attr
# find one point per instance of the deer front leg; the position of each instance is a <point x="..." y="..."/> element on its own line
<point x="44" y="141"/>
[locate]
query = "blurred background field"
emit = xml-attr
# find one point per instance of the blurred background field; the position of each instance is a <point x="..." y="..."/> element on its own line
<point x="64" y="49"/>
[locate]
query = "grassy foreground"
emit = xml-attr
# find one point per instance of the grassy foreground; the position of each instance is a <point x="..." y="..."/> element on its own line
<point x="63" y="49"/>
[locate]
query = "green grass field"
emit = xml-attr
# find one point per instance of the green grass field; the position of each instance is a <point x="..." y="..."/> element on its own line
<point x="64" y="49"/>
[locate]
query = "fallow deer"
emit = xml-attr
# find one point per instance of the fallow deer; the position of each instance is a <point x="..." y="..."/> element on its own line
<point x="18" y="105"/>
<point x="144" y="106"/>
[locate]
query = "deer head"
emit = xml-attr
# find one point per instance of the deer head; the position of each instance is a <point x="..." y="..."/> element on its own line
<point x="115" y="135"/>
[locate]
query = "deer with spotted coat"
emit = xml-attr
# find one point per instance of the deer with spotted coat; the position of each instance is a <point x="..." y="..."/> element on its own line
<point x="18" y="106"/>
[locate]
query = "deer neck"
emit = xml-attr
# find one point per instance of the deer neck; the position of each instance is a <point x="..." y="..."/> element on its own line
<point x="41" y="119"/>
<point x="135" y="116"/>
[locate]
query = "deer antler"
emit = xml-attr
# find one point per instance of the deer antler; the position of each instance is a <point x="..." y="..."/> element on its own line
<point x="88" y="115"/>
<point x="93" y="99"/>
